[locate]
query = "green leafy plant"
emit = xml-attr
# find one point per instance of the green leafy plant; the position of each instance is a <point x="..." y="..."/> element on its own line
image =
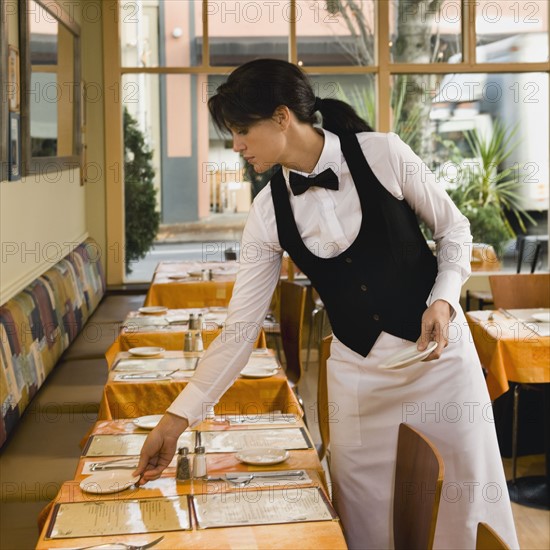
<point x="142" y="217"/>
<point x="487" y="194"/>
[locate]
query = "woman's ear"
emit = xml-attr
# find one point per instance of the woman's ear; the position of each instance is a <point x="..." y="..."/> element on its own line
<point x="281" y="116"/>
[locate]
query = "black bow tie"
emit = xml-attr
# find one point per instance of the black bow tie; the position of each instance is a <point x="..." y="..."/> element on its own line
<point x="300" y="184"/>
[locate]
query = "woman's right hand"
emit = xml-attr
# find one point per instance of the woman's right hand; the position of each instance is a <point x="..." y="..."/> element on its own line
<point x="159" y="448"/>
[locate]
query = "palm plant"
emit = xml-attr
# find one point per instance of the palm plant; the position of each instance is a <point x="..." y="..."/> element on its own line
<point x="487" y="191"/>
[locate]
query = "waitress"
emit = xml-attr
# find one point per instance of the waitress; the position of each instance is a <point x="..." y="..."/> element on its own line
<point x="344" y="207"/>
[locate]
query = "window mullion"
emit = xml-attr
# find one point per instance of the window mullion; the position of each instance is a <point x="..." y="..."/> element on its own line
<point x="383" y="82"/>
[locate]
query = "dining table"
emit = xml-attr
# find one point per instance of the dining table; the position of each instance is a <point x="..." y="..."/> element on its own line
<point x="138" y="386"/>
<point x="180" y="284"/>
<point x="514" y="346"/>
<point x="238" y="504"/>
<point x="167" y="329"/>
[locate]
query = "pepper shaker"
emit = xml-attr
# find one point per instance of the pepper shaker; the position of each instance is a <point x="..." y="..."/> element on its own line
<point x="192" y="322"/>
<point x="188" y="342"/>
<point x="199" y="464"/>
<point x="183" y="468"/>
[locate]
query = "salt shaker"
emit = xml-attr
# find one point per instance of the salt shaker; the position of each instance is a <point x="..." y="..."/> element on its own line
<point x="183" y="469"/>
<point x="204" y="274"/>
<point x="188" y="342"/>
<point x="199" y="464"/>
<point x="199" y="345"/>
<point x="200" y="321"/>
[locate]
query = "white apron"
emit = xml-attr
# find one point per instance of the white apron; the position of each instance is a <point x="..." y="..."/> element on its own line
<point x="447" y="400"/>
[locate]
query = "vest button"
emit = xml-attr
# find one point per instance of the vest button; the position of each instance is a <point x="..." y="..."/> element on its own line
<point x="376" y="317"/>
<point x="348" y="260"/>
<point x="363" y="288"/>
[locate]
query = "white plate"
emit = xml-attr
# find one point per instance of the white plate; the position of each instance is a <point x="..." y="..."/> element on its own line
<point x="147" y="422"/>
<point x="407" y="357"/>
<point x="147" y="351"/>
<point x="113" y="481"/>
<point x="543" y="317"/>
<point x="262" y="456"/>
<point x="258" y="373"/>
<point x="153" y="310"/>
<point x="178" y="276"/>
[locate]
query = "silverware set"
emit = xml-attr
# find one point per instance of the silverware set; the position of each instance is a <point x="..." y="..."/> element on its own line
<point x="119" y="464"/>
<point x="244" y="479"/>
<point x="122" y="546"/>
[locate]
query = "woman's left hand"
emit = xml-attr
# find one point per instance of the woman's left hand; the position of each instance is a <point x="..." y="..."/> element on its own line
<point x="435" y="327"/>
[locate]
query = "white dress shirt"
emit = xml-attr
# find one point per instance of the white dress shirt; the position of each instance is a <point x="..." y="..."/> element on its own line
<point x="328" y="222"/>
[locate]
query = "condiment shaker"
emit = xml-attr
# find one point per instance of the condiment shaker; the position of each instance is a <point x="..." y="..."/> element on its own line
<point x="188" y="342"/>
<point x="183" y="468"/>
<point x="199" y="464"/>
<point x="198" y="345"/>
<point x="192" y="325"/>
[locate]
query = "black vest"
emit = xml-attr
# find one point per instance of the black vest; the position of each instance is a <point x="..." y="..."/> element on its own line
<point x="382" y="281"/>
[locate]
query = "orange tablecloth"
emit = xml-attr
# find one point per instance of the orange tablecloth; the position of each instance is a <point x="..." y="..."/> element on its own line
<point x="508" y="350"/>
<point x="133" y="398"/>
<point x="327" y="534"/>
<point x="167" y="290"/>
<point x="169" y="337"/>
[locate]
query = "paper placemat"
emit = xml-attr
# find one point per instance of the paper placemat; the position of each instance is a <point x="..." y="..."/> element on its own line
<point x="262" y="507"/>
<point x="119" y="517"/>
<point x="127" y="444"/>
<point x="237" y="440"/>
<point x="153" y="365"/>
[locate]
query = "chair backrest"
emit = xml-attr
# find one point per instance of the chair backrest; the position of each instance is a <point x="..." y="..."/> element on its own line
<point x="323" y="408"/>
<point x="419" y="472"/>
<point x="520" y="291"/>
<point x="487" y="539"/>
<point x="293" y="303"/>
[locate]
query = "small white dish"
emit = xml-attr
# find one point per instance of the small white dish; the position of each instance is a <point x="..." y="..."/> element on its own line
<point x="262" y="456"/>
<point x="147" y="422"/>
<point x="147" y="351"/>
<point x="258" y="372"/>
<point x="153" y="310"/>
<point x="542" y="317"/>
<point x="407" y="356"/>
<point x="113" y="481"/>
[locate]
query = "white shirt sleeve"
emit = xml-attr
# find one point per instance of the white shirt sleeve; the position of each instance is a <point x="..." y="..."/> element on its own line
<point x="259" y="269"/>
<point x="450" y="228"/>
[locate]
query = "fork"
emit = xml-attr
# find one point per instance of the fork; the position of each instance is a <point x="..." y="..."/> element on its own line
<point x="122" y="546"/>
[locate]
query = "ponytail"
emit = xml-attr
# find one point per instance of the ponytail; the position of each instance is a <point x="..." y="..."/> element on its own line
<point x="340" y="118"/>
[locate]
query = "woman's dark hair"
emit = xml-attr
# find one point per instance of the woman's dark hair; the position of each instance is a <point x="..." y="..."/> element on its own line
<point x="254" y="90"/>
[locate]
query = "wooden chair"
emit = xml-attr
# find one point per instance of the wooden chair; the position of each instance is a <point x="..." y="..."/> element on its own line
<point x="293" y="303"/>
<point x="520" y="291"/>
<point x="487" y="539"/>
<point x="419" y="472"/>
<point x="323" y="406"/>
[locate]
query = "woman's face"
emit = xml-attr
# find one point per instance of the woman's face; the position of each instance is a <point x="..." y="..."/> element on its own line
<point x="261" y="144"/>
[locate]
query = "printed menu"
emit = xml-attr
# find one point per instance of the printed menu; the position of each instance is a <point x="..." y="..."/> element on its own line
<point x="119" y="517"/>
<point x="262" y="507"/>
<point x="237" y="440"/>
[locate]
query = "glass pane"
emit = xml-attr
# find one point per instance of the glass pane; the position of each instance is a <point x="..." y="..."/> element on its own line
<point x="357" y="90"/>
<point x="475" y="131"/>
<point x="335" y="32"/>
<point x="163" y="33"/>
<point x="425" y="32"/>
<point x="512" y="32"/>
<point x="241" y="31"/>
<point x="43" y="35"/>
<point x="44" y="114"/>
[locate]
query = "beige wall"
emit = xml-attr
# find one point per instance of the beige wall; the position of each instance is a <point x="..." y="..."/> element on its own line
<point x="43" y="217"/>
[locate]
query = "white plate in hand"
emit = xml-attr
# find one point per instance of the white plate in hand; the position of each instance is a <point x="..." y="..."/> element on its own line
<point x="147" y="422"/>
<point x="153" y="310"/>
<point x="407" y="356"/>
<point x="147" y="351"/>
<point x="542" y="317"/>
<point x="113" y="481"/>
<point x="262" y="456"/>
